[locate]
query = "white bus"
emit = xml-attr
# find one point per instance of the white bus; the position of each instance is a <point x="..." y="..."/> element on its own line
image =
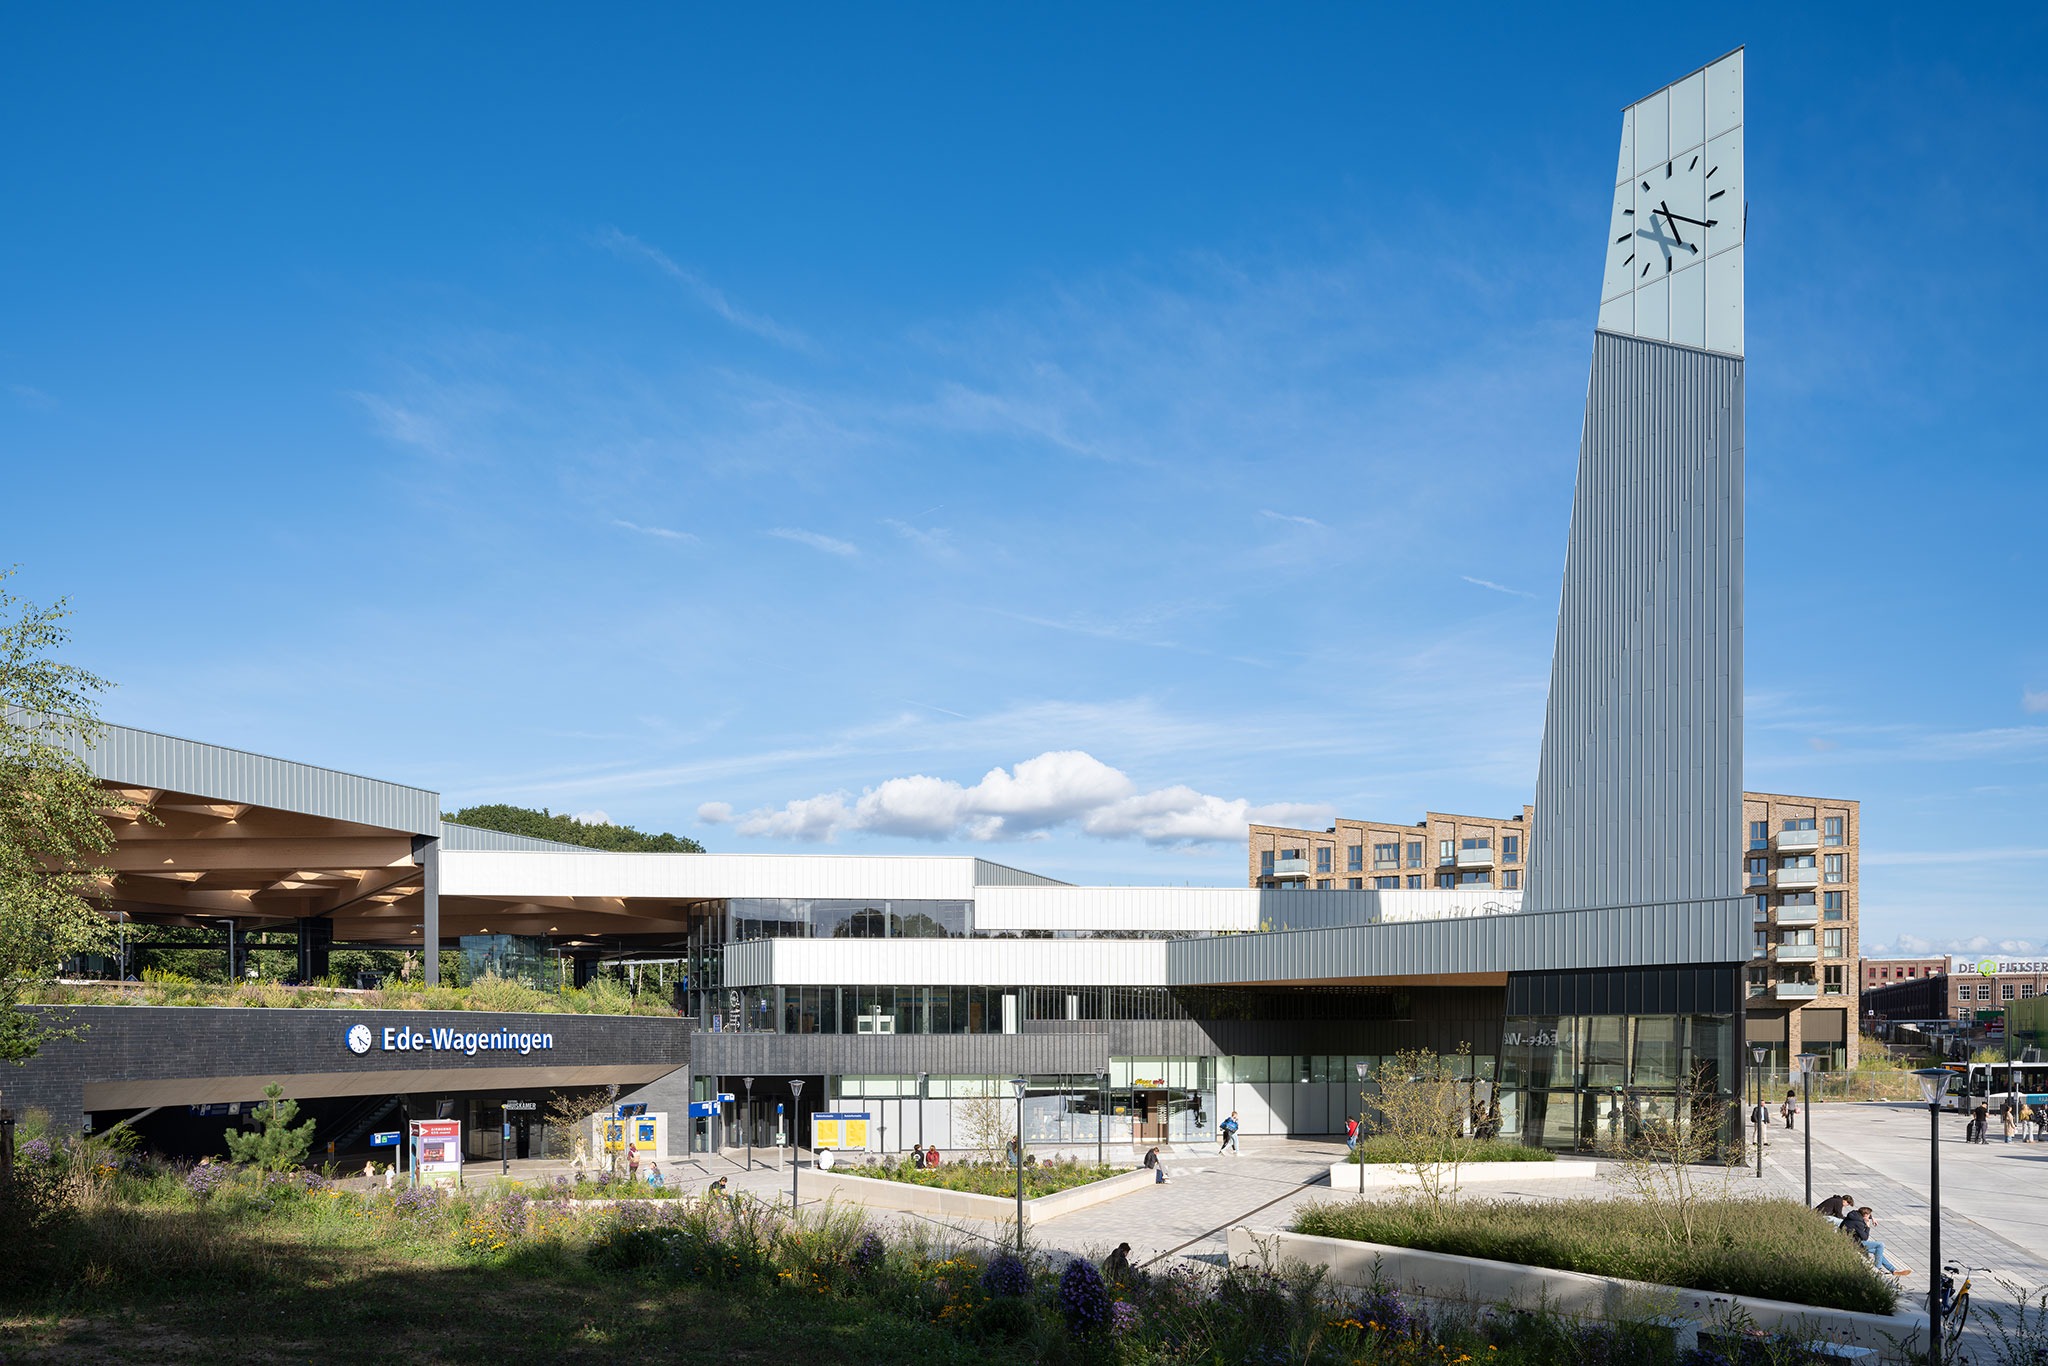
<point x="1990" y="1083"/>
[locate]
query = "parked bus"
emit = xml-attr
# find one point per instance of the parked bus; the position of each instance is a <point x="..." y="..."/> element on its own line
<point x="1991" y="1082"/>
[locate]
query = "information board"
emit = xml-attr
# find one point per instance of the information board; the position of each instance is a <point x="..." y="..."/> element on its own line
<point x="437" y="1151"/>
<point x="840" y="1130"/>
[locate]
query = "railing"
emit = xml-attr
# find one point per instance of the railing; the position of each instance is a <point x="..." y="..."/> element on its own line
<point x="1798" y="991"/>
<point x="1799" y="878"/>
<point x="1796" y="841"/>
<point x="1475" y="858"/>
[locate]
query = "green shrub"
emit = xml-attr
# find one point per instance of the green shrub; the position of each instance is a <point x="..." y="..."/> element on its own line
<point x="1386" y="1148"/>
<point x="985" y="1178"/>
<point x="1768" y="1249"/>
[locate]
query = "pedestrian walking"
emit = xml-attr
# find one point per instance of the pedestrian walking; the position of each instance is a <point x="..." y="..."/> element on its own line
<point x="632" y="1162"/>
<point x="1761" y="1118"/>
<point x="2023" y="1120"/>
<point x="1350" y="1134"/>
<point x="1228" y="1128"/>
<point x="1790" y="1109"/>
<point x="2005" y="1113"/>
<point x="1980" y="1123"/>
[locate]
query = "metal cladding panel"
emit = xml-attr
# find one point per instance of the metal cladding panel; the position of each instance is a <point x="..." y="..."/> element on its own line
<point x="949" y="962"/>
<point x="717" y="1053"/>
<point x="1639" y="791"/>
<point x="988" y="874"/>
<point x="1292" y="908"/>
<point x="1670" y="933"/>
<point x="1124" y="909"/>
<point x="140" y="758"/>
<point x="470" y="837"/>
<point x="689" y="877"/>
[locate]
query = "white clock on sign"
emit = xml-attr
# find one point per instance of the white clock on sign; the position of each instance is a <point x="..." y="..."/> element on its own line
<point x="358" y="1038"/>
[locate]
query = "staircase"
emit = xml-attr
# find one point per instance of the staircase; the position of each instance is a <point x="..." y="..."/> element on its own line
<point x="361" y="1119"/>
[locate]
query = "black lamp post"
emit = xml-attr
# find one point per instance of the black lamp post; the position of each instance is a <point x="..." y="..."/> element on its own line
<point x="1933" y="1085"/>
<point x="923" y="1084"/>
<point x="1364" y="1069"/>
<point x="796" y="1094"/>
<point x="1101" y="1112"/>
<point x="1756" y="1052"/>
<point x="1020" y="1085"/>
<point x="747" y="1123"/>
<point x="1807" y="1062"/>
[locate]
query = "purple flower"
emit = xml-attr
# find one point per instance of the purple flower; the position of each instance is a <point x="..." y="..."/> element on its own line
<point x="1123" y="1317"/>
<point x="36" y="1150"/>
<point x="1084" y="1299"/>
<point x="1005" y="1275"/>
<point x="203" y="1180"/>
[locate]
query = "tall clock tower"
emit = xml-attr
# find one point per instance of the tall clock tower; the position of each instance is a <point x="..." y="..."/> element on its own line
<point x="1639" y="791"/>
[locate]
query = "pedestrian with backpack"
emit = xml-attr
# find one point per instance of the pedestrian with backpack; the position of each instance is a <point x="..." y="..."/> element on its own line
<point x="1229" y="1131"/>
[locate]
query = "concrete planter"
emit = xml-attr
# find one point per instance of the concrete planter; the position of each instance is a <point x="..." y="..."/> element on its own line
<point x="1381" y="1177"/>
<point x="945" y="1204"/>
<point x="1481" y="1283"/>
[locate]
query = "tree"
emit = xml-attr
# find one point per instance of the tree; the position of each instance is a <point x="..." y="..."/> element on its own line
<point x="1422" y="1106"/>
<point x="53" y="836"/>
<point x="985" y="1123"/>
<point x="277" y="1146"/>
<point x="1654" y="1151"/>
<point x="546" y="825"/>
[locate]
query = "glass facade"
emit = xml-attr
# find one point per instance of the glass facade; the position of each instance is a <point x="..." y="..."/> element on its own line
<point x="1576" y="1081"/>
<point x="827" y="918"/>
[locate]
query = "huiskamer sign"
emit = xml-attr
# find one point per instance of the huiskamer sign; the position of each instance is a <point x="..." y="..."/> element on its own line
<point x="442" y="1039"/>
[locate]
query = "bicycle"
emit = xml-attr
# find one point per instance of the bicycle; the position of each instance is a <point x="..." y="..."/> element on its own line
<point x="1955" y="1305"/>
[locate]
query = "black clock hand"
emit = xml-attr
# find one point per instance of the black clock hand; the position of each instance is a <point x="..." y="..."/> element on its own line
<point x="1696" y="222"/>
<point x="1665" y="209"/>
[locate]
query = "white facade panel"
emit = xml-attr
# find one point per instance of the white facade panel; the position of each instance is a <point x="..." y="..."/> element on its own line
<point x="1126" y="910"/>
<point x="963" y="962"/>
<point x="682" y="877"/>
<point x="1688" y="113"/>
<point x="1724" y="94"/>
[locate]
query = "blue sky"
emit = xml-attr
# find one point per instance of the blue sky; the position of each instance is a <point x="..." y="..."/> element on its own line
<point x="1119" y="422"/>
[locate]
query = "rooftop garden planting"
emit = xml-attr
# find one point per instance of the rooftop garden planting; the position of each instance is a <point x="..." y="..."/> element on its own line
<point x="602" y="997"/>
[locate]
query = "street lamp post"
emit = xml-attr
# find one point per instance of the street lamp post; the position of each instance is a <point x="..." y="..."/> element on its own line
<point x="1933" y="1084"/>
<point x="1807" y="1062"/>
<point x="1019" y="1085"/>
<point x="796" y="1094"/>
<point x="1101" y="1112"/>
<point x="747" y="1123"/>
<point x="1756" y="1052"/>
<point x="1363" y="1069"/>
<point x="924" y="1080"/>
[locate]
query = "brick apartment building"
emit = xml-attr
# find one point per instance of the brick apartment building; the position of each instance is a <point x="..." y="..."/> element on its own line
<point x="1799" y="869"/>
<point x="1884" y="972"/>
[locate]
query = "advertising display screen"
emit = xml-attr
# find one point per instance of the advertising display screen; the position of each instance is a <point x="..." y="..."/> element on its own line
<point x="839" y="1130"/>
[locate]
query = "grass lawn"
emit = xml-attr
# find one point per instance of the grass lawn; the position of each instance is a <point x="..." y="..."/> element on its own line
<point x="1381" y="1148"/>
<point x="999" y="1179"/>
<point x="1769" y="1249"/>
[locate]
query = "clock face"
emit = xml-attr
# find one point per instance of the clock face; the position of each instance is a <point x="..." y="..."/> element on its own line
<point x="1670" y="224"/>
<point x="359" y="1038"/>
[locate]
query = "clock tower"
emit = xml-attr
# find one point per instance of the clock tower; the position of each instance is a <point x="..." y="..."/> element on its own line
<point x="1639" y="788"/>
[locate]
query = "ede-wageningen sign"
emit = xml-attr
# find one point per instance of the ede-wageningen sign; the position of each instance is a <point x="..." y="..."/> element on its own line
<point x="402" y="1039"/>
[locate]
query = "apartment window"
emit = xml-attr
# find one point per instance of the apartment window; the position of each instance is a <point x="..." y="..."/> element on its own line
<point x="1759" y="834"/>
<point x="1837" y="866"/>
<point x="1354" y="884"/>
<point x="1763" y="944"/>
<point x="1475" y="844"/>
<point x="1386" y="855"/>
<point x="1414" y="853"/>
<point x="1510" y="848"/>
<point x="1415" y="882"/>
<point x="1760" y="915"/>
<point x="1831" y="830"/>
<point x="1386" y="884"/>
<point x="1832" y="901"/>
<point x="1801" y="938"/>
<point x="1831" y="943"/>
<point x="1446" y="880"/>
<point x="1831" y="981"/>
<point x="1445" y="853"/>
<point x="1323" y="852"/>
<point x="1983" y="991"/>
<point x="1763" y="904"/>
<point x="1290" y="853"/>
<point x="1322" y="884"/>
<point x="1265" y="863"/>
<point x="2026" y="991"/>
<point x="1799" y="823"/>
<point x="2005" y="991"/>
<point x="1511" y="879"/>
<point x="1796" y="899"/>
<point x="1759" y="869"/>
<point x="1354" y="858"/>
<point x="1909" y="972"/>
<point x="1475" y="879"/>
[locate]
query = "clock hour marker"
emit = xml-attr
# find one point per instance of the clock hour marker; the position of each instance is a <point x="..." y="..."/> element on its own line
<point x="1695" y="164"/>
<point x="1715" y="195"/>
<point x="1667" y="170"/>
<point x="1631" y="259"/>
<point x="1710" y="174"/>
<point x="1646" y="184"/>
<point x="1646" y="268"/>
<point x="1619" y="240"/>
<point x="1628" y="213"/>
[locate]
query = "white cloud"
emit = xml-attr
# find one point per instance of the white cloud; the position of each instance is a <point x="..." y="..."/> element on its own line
<point x="598" y="817"/>
<point x="830" y="545"/>
<point x="1917" y="946"/>
<point x="935" y="542"/>
<point x="1060" y="788"/>
<point x="661" y="532"/>
<point x="1496" y="587"/>
<point x="1923" y="857"/>
<point x="1292" y="517"/>
<point x="707" y="294"/>
<point x="715" y="813"/>
<point x="2034" y="699"/>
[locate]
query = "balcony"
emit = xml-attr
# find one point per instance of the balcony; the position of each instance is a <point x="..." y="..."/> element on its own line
<point x="1797" y="953"/>
<point x="1289" y="867"/>
<point x="1798" y="915"/>
<point x="1798" y="991"/>
<point x="1796" y="841"/>
<point x="1476" y="858"/>
<point x="1795" y="879"/>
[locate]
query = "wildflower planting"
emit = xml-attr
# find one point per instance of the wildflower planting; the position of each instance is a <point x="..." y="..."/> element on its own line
<point x="602" y="996"/>
<point x="1387" y="1148"/>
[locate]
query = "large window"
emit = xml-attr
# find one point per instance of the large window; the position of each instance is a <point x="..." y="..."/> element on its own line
<point x="1511" y="879"/>
<point x="1386" y="884"/>
<point x="1354" y="858"/>
<point x="1323" y="852"/>
<point x="1832" y="943"/>
<point x="1836" y="867"/>
<point x="1265" y="863"/>
<point x="1799" y="823"/>
<point x="1759" y="869"/>
<point x="1415" y="882"/>
<point x="1475" y="879"/>
<point x="1446" y="851"/>
<point x="2005" y="991"/>
<point x="1831" y="980"/>
<point x="823" y="918"/>
<point x="1510" y="848"/>
<point x="1446" y="880"/>
<point x="1831" y="830"/>
<point x="1414" y="853"/>
<point x="1759" y="834"/>
<point x="1386" y="855"/>
<point x="1831" y="905"/>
